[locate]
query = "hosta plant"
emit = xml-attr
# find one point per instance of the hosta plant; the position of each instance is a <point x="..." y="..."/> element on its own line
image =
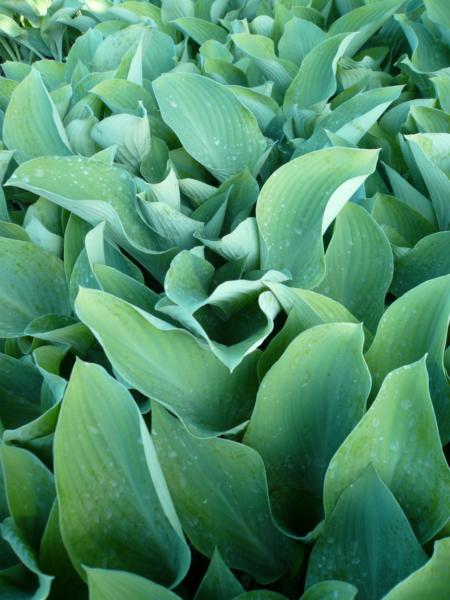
<point x="224" y="299"/>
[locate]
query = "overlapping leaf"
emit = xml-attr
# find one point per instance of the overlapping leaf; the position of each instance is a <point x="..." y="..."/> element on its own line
<point x="171" y="172"/>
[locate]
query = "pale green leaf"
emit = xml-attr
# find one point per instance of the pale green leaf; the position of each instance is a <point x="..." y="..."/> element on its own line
<point x="399" y="437"/>
<point x="222" y="491"/>
<point x="358" y="265"/>
<point x="415" y="324"/>
<point x="211" y="123"/>
<point x="115" y="510"/>
<point x="299" y="202"/>
<point x="367" y="541"/>
<point x="185" y="375"/>
<point x="300" y="420"/>
<point x="32" y="285"/>
<point x="32" y="125"/>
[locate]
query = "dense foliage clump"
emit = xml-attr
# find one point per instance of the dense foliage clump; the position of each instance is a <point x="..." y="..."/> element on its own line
<point x="224" y="299"/>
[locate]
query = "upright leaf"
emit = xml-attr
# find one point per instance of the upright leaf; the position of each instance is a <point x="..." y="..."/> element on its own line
<point x="32" y="125"/>
<point x="367" y="541"/>
<point x="115" y="510"/>
<point x="222" y="491"/>
<point x="210" y="122"/>
<point x="32" y="285"/>
<point x="219" y="583"/>
<point x="299" y="202"/>
<point x="307" y="404"/>
<point x="105" y="584"/>
<point x="358" y="265"/>
<point x="30" y="491"/>
<point x="413" y="325"/>
<point x="170" y="365"/>
<point x="429" y="581"/>
<point x="399" y="436"/>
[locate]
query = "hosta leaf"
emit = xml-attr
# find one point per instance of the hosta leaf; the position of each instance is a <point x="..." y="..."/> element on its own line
<point x="367" y="541"/>
<point x="28" y="558"/>
<point x="30" y="491"/>
<point x="260" y="50"/>
<point x="243" y="303"/>
<point x="173" y="9"/>
<point x="305" y="309"/>
<point x="157" y="50"/>
<point x="299" y="420"/>
<point x="97" y="192"/>
<point x="83" y="50"/>
<point x="177" y="228"/>
<point x="123" y="286"/>
<point x="115" y="510"/>
<point x="185" y="375"/>
<point x="365" y="20"/>
<point x="442" y="85"/>
<point x="413" y="325"/>
<point x="223" y="490"/>
<point x="299" y="37"/>
<point x="405" y="220"/>
<point x="358" y="265"/>
<point x="298" y="203"/>
<point x="436" y="10"/>
<point x="316" y="79"/>
<point x="410" y="195"/>
<point x="219" y="583"/>
<point x="242" y="242"/>
<point x="7" y="556"/>
<point x="330" y="590"/>
<point x="431" y="152"/>
<point x="428" y="53"/>
<point x="428" y="259"/>
<point x="263" y="107"/>
<point x="32" y="125"/>
<point x="352" y="119"/>
<point x="41" y="426"/>
<point x="211" y="123"/>
<point x="123" y="96"/>
<point x="20" y="386"/>
<point x="32" y="285"/>
<point x="106" y="584"/>
<point x="54" y="559"/>
<point x="431" y="120"/>
<point x="200" y="30"/>
<point x="399" y="436"/>
<point x="147" y="11"/>
<point x="429" y="581"/>
<point x="131" y="135"/>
